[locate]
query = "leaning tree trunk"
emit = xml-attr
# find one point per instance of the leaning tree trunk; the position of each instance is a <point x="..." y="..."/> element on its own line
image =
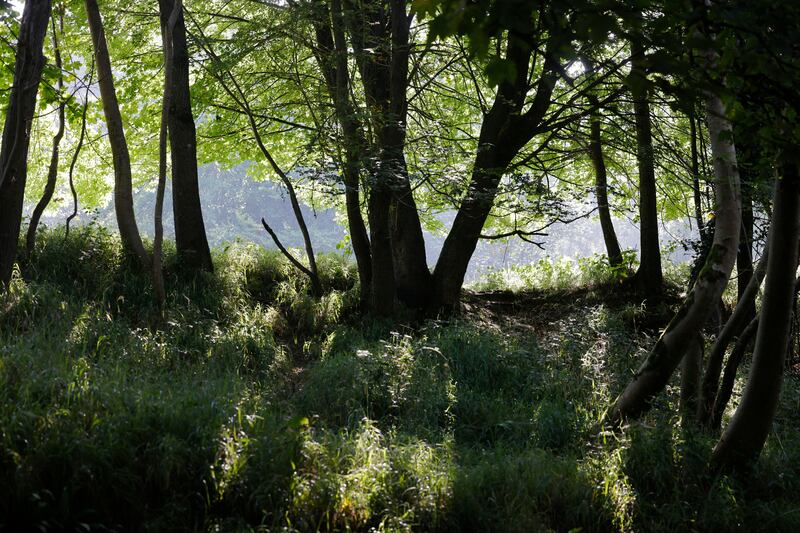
<point x="123" y="188"/>
<point x="649" y="276"/>
<point x="695" y="310"/>
<point x="16" y="131"/>
<point x="52" y="171"/>
<point x="190" y="231"/>
<point x="743" y="439"/>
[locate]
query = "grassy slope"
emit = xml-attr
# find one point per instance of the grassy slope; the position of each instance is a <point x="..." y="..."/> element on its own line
<point x="254" y="406"/>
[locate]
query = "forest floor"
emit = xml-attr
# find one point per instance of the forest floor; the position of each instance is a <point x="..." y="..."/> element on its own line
<point x="251" y="405"/>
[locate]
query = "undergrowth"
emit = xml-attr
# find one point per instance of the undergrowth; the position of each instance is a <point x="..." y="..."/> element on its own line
<point x="253" y="406"/>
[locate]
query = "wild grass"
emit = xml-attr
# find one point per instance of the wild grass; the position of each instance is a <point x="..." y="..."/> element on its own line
<point x="253" y="406"/>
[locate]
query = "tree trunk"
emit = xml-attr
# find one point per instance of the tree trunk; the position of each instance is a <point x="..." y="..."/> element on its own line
<point x="601" y="187"/>
<point x="745" y="436"/>
<point x="733" y="327"/>
<point x="383" y="281"/>
<point x="412" y="276"/>
<point x="28" y="67"/>
<point x="725" y="392"/>
<point x="379" y="34"/>
<point x="190" y="232"/>
<point x="52" y="171"/>
<point x="691" y="370"/>
<point x="695" y="310"/>
<point x="649" y="275"/>
<point x="744" y="259"/>
<point x="123" y="188"/>
<point x="331" y="55"/>
<point x="698" y="202"/>
<point x="167" y="30"/>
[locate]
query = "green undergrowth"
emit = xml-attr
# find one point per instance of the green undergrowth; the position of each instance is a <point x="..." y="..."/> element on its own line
<point x="252" y="406"/>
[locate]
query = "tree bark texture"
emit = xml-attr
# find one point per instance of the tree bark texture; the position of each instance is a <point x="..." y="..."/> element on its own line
<point x="28" y="66"/>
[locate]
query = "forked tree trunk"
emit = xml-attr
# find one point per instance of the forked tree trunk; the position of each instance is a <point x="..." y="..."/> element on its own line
<point x="52" y="171"/>
<point x="505" y="130"/>
<point x="743" y="439"/>
<point x="123" y="188"/>
<point x="649" y="276"/>
<point x="412" y="276"/>
<point x="695" y="310"/>
<point x="733" y="327"/>
<point x="28" y="67"/>
<point x="725" y="392"/>
<point x="190" y="232"/>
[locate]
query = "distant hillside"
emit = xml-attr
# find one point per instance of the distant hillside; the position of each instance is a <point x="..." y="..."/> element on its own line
<point x="233" y="205"/>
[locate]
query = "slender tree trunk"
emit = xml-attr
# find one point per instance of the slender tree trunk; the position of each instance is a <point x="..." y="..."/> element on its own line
<point x="698" y="202"/>
<point x="190" y="232"/>
<point x="744" y="258"/>
<point x="733" y="327"/>
<point x="649" y="275"/>
<point x="75" y="155"/>
<point x="331" y="54"/>
<point x="725" y="392"/>
<point x="167" y="30"/>
<point x="693" y="314"/>
<point x="52" y="171"/>
<point x="745" y="436"/>
<point x="123" y="188"/>
<point x="28" y="67"/>
<point x="601" y="187"/>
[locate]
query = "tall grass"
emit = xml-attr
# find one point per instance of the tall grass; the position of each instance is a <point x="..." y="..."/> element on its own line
<point x="254" y="406"/>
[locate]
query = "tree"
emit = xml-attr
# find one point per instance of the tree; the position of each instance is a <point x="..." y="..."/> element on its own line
<point x="601" y="178"/>
<point x="16" y="131"/>
<point x="123" y="187"/>
<point x="52" y="172"/>
<point x="190" y="233"/>
<point x="649" y="275"/>
<point x="682" y="331"/>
